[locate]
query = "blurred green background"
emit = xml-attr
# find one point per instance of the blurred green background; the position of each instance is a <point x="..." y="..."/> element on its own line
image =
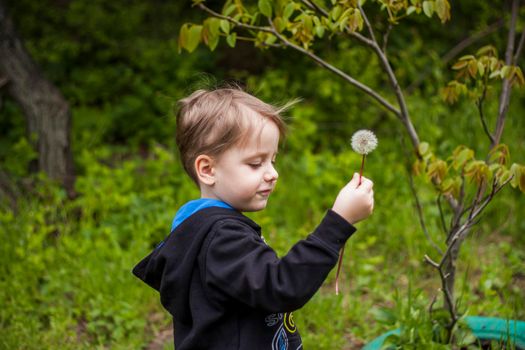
<point x="65" y="265"/>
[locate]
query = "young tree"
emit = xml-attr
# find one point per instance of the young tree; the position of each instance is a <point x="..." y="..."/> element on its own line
<point x="466" y="183"/>
<point x="47" y="112"/>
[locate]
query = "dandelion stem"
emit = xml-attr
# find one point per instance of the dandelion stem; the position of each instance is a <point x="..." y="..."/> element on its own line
<point x="339" y="264"/>
<point x="361" y="171"/>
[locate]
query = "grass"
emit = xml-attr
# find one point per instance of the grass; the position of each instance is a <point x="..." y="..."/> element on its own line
<point x="65" y="280"/>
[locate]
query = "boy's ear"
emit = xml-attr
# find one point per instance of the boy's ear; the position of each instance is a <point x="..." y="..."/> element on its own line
<point x="204" y="169"/>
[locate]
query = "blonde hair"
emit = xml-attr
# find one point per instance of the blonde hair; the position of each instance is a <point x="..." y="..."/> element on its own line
<point x="211" y="121"/>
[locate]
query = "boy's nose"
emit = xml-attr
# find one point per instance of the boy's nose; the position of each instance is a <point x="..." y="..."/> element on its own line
<point x="271" y="174"/>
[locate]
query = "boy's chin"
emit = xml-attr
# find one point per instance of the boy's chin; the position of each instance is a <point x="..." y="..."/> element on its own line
<point x="255" y="207"/>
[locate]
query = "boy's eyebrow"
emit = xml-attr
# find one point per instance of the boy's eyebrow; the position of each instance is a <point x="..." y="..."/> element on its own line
<point x="260" y="154"/>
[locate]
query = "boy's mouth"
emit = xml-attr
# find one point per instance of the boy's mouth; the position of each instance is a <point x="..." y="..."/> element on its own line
<point x="265" y="193"/>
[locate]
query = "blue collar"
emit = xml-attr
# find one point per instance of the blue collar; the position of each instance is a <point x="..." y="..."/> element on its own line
<point x="194" y="206"/>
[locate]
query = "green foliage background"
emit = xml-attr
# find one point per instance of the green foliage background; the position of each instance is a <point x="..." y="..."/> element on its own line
<point x="65" y="265"/>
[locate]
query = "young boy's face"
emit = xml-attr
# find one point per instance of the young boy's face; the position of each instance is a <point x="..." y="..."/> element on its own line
<point x="245" y="174"/>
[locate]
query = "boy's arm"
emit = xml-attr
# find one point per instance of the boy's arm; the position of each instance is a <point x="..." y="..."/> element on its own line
<point x="239" y="264"/>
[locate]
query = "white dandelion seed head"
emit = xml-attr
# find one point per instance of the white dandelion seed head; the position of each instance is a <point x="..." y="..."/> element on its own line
<point x="364" y="141"/>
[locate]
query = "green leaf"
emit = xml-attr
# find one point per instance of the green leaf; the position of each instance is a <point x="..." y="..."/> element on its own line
<point x="442" y="8"/>
<point x="225" y="26"/>
<point x="210" y="32"/>
<point x="500" y="154"/>
<point x="194" y="37"/>
<point x="423" y="148"/>
<point x="461" y="156"/>
<point x="270" y="39"/>
<point x="451" y="186"/>
<point x="319" y="31"/>
<point x="487" y="50"/>
<point x="231" y="39"/>
<point x="410" y="10"/>
<point x="336" y="12"/>
<point x="494" y="74"/>
<point x="213" y="25"/>
<point x="505" y="71"/>
<point x="460" y="65"/>
<point x="520" y="79"/>
<point x="384" y="316"/>
<point x="481" y="69"/>
<point x="465" y="337"/>
<point x="428" y="8"/>
<point x="183" y="36"/>
<point x="466" y="58"/>
<point x="477" y="171"/>
<point x="288" y="10"/>
<point x="437" y="170"/>
<point x="308" y="23"/>
<point x="228" y="10"/>
<point x="279" y="24"/>
<point x="472" y="68"/>
<point x="518" y="176"/>
<point x="265" y="7"/>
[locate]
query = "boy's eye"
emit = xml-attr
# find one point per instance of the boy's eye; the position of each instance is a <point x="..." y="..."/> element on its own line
<point x="255" y="165"/>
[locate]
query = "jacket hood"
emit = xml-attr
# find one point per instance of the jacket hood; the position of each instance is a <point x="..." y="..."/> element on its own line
<point x="171" y="267"/>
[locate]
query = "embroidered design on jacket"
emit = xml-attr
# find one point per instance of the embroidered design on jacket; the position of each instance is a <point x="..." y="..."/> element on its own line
<point x="280" y="339"/>
<point x="289" y="323"/>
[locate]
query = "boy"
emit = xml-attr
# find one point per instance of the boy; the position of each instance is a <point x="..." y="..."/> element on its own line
<point x="224" y="287"/>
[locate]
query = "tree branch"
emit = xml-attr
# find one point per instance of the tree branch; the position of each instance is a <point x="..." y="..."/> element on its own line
<point x="385" y="37"/>
<point x="441" y="215"/>
<point x="447" y="57"/>
<point x="314" y="57"/>
<point x="234" y="21"/>
<point x="505" y="91"/>
<point x="367" y="22"/>
<point x="479" y="104"/>
<point x="419" y="208"/>
<point x="338" y="72"/>
<point x="520" y="47"/>
<point x="404" y="115"/>
<point x="444" y="287"/>
<point x="356" y="35"/>
<point x="315" y="7"/>
<point x="463" y="44"/>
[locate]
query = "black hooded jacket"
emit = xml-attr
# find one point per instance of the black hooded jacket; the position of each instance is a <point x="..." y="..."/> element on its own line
<point x="227" y="289"/>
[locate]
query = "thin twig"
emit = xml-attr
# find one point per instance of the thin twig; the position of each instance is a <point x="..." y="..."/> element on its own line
<point x="367" y="22"/>
<point x="338" y="72"/>
<point x="244" y="38"/>
<point x="477" y="198"/>
<point x="315" y="7"/>
<point x="419" y="208"/>
<point x="444" y="286"/>
<point x="385" y="36"/>
<point x="520" y="47"/>
<point x="403" y="115"/>
<point x="420" y="213"/>
<point x="234" y="21"/>
<point x="431" y="306"/>
<point x="456" y="50"/>
<point x="506" y="90"/>
<point x="441" y="215"/>
<point x="356" y="35"/>
<point x="463" y="44"/>
<point x="479" y="103"/>
<point x="431" y="262"/>
<point x="316" y="58"/>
